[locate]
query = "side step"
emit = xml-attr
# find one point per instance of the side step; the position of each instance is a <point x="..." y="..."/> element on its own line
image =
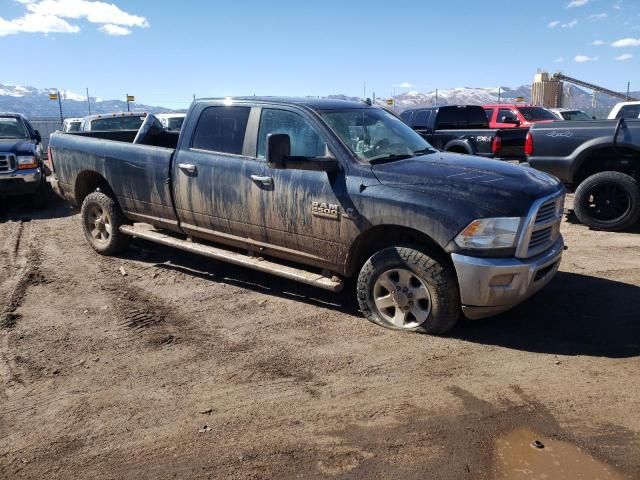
<point x="303" y="276"/>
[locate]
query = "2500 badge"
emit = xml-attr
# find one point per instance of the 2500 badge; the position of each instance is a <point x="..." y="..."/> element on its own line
<point x="322" y="209"/>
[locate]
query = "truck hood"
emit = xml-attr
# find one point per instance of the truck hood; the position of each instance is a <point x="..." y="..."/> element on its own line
<point x="465" y="177"/>
<point x="17" y="146"/>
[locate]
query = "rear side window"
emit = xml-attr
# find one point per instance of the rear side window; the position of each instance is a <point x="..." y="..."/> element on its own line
<point x="221" y="129"/>
<point x="629" y="111"/>
<point x="451" y="117"/>
<point x="489" y="113"/>
<point x="421" y="119"/>
<point x="305" y="142"/>
<point x="476" y="117"/>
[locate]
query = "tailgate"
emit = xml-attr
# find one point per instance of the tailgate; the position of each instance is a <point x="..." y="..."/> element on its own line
<point x="512" y="142"/>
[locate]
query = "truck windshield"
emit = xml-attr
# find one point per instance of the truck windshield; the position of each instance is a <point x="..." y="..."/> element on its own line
<point x="129" y="122"/>
<point x="11" y="127"/>
<point x="535" y="114"/>
<point x="375" y="134"/>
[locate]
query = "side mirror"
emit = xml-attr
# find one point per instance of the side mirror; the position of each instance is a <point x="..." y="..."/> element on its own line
<point x="278" y="149"/>
<point x="593" y="117"/>
<point x="37" y="136"/>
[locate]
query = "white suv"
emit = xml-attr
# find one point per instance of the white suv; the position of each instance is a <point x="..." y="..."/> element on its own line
<point x="625" y="110"/>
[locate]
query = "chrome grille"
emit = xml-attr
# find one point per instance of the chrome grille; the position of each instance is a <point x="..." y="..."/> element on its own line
<point x="542" y="229"/>
<point x="7" y="162"/>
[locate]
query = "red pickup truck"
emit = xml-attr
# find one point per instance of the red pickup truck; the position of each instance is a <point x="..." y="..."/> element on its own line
<point x="510" y="116"/>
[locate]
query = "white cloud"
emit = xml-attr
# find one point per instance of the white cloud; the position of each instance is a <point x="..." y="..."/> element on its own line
<point x="624" y="56"/>
<point x="50" y="16"/>
<point x="597" y="42"/>
<point x="584" y="58"/>
<point x="117" y="30"/>
<point x="617" y="5"/>
<point x="558" y="60"/>
<point x="626" y="42"/>
<point x="577" y="3"/>
<point x="403" y="85"/>
<point x="570" y="24"/>
<point x="598" y="16"/>
<point x="553" y="24"/>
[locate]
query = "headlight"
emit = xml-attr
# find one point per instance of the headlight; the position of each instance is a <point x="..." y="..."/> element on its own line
<point x="489" y="233"/>
<point x="26" y="161"/>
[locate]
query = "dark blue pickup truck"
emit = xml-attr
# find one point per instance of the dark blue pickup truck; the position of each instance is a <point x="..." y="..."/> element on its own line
<point x="21" y="168"/>
<point x="320" y="191"/>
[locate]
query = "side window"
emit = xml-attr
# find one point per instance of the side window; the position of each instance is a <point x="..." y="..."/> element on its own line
<point x="489" y="112"/>
<point x="305" y="142"/>
<point x="476" y="117"/>
<point x="506" y="115"/>
<point x="221" y="129"/>
<point x="406" y="117"/>
<point x="422" y="119"/>
<point x="451" y="117"/>
<point x="629" y="111"/>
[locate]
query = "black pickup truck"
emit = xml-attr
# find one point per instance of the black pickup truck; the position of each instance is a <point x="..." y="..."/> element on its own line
<point x="465" y="129"/>
<point x="598" y="159"/>
<point x="21" y="167"/>
<point x="319" y="191"/>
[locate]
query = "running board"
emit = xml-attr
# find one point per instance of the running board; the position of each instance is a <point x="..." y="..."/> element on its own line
<point x="256" y="263"/>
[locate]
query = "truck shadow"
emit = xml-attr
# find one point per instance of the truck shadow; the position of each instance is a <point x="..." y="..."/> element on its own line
<point x="21" y="208"/>
<point x="574" y="315"/>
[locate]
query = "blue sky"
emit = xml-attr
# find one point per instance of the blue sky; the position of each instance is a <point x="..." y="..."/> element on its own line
<point x="166" y="51"/>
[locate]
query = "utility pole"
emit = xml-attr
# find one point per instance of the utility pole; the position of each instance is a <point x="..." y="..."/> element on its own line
<point x="128" y="110"/>
<point x="628" y="85"/>
<point x="436" y="97"/>
<point x="88" y="101"/>
<point x="499" y="95"/>
<point x="60" y="107"/>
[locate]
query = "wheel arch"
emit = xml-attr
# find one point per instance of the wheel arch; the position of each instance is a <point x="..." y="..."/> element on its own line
<point x="459" y="146"/>
<point x="383" y="236"/>
<point x="89" y="181"/>
<point x="606" y="157"/>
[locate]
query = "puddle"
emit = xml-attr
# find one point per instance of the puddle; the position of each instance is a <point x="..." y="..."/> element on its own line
<point x="517" y="457"/>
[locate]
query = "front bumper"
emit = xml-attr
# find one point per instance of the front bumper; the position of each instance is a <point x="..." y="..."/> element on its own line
<point x="489" y="286"/>
<point x="20" y="182"/>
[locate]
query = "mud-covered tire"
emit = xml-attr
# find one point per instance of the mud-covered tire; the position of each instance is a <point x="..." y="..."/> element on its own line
<point x="435" y="274"/>
<point x="101" y="220"/>
<point x="608" y="201"/>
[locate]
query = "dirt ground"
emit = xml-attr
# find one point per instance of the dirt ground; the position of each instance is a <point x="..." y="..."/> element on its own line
<point x="190" y="368"/>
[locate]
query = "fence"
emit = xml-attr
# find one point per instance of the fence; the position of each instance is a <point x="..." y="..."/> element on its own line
<point x="46" y="126"/>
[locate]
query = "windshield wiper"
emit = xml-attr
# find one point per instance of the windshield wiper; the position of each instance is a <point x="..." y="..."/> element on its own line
<point x="390" y="158"/>
<point x="424" y="151"/>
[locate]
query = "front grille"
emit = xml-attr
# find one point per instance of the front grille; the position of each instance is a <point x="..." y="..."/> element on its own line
<point x="543" y="228"/>
<point x="542" y="273"/>
<point x="7" y="162"/>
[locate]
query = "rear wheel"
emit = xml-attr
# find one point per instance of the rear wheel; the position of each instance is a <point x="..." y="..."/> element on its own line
<point x="101" y="222"/>
<point x="405" y="289"/>
<point x="608" y="201"/>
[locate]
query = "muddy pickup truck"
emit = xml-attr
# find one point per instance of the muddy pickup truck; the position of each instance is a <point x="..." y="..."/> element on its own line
<point x="598" y="159"/>
<point x="321" y="191"/>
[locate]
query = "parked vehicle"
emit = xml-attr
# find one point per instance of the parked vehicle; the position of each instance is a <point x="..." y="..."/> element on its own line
<point x="569" y="114"/>
<point x="600" y="159"/>
<point x="625" y="110"/>
<point x="344" y="188"/>
<point x="21" y="168"/>
<point x="71" y="125"/>
<point x="465" y="129"/>
<point x="113" y="121"/>
<point x="171" y="121"/>
<point x="518" y="115"/>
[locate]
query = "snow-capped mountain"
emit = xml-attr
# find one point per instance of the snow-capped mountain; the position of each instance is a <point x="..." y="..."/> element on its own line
<point x="35" y="102"/>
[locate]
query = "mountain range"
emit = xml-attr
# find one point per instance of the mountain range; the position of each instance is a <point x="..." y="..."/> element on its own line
<point x="35" y="103"/>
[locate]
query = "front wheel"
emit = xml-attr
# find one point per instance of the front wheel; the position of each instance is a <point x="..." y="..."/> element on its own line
<point x="404" y="289"/>
<point x="101" y="221"/>
<point x="608" y="201"/>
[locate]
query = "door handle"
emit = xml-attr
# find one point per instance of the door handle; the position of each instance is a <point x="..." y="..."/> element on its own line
<point x="187" y="167"/>
<point x="263" y="180"/>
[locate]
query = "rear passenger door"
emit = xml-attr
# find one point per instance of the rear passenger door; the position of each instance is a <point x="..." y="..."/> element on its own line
<point x="215" y="195"/>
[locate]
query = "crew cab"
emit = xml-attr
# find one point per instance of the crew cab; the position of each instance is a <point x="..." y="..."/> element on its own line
<point x="600" y="160"/>
<point x="113" y="121"/>
<point x="21" y="168"/>
<point x="465" y="129"/>
<point x="320" y="191"/>
<point x="516" y="115"/>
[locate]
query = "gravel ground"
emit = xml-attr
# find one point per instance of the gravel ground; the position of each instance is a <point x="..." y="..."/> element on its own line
<point x="189" y="368"/>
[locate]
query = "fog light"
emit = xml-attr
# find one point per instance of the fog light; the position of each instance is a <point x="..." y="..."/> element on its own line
<point x="501" y="280"/>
